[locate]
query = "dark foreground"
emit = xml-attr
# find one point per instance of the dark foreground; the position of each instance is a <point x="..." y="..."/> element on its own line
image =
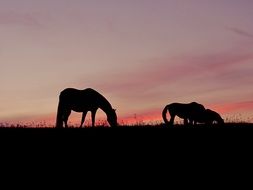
<point x="129" y="137"/>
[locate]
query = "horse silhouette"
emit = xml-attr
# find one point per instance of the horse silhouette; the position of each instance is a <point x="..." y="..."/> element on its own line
<point x="185" y="111"/>
<point x="83" y="101"/>
<point x="208" y="117"/>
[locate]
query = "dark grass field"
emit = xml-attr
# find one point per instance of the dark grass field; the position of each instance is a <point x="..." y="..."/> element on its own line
<point x="140" y="138"/>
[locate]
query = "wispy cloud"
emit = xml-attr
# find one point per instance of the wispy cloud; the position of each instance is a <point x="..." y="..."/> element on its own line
<point x="168" y="71"/>
<point x="233" y="107"/>
<point x="240" y="32"/>
<point x="14" y="18"/>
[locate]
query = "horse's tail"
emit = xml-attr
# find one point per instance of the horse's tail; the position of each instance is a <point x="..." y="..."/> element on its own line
<point x="164" y="114"/>
<point x="59" y="120"/>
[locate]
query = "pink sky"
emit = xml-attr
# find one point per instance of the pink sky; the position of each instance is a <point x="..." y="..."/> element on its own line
<point x="141" y="55"/>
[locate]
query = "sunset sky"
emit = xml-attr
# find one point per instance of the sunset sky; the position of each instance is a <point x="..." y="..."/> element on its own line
<point x="140" y="54"/>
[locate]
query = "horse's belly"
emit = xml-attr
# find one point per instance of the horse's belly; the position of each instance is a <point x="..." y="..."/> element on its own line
<point x="81" y="108"/>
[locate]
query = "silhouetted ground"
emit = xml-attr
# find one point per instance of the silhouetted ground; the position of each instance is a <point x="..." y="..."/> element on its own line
<point x="139" y="137"/>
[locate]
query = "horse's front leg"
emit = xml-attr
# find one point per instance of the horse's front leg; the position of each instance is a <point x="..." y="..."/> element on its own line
<point x="93" y="114"/>
<point x="186" y="121"/>
<point x="83" y="118"/>
<point x="191" y="122"/>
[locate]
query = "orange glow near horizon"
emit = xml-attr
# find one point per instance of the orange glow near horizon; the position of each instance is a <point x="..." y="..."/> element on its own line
<point x="145" y="118"/>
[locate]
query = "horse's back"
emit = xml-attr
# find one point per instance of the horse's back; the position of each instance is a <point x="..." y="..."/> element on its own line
<point x="74" y="92"/>
<point x="186" y="107"/>
<point x="174" y="106"/>
<point x="69" y="91"/>
<point x="90" y="91"/>
<point x="79" y="100"/>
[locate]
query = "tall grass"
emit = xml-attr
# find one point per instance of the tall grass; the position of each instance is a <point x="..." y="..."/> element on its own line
<point x="233" y="122"/>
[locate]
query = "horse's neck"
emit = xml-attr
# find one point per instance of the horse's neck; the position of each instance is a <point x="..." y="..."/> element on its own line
<point x="105" y="106"/>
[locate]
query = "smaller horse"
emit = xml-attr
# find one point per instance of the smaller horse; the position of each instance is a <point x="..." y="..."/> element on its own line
<point x="185" y="111"/>
<point x="208" y="117"/>
<point x="83" y="101"/>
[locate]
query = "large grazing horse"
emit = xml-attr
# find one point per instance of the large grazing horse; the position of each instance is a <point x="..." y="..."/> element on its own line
<point x="83" y="101"/>
<point x="185" y="111"/>
<point x="208" y="117"/>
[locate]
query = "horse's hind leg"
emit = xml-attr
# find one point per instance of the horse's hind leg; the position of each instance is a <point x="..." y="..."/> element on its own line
<point x="172" y="118"/>
<point x="93" y="114"/>
<point x="66" y="117"/>
<point x="83" y="118"/>
<point x="186" y="121"/>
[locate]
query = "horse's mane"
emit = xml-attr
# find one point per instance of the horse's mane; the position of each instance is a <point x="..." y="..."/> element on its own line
<point x="105" y="101"/>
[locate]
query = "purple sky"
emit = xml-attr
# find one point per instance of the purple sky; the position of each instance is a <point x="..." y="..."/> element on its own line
<point x="140" y="54"/>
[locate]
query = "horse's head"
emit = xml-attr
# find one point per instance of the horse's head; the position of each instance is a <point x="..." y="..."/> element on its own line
<point x="112" y="118"/>
<point x="215" y="117"/>
<point x="59" y="119"/>
<point x="220" y="121"/>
